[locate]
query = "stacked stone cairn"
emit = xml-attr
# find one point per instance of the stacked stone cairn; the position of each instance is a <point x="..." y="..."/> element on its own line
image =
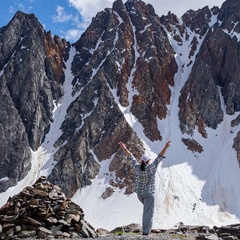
<point x="42" y="211"/>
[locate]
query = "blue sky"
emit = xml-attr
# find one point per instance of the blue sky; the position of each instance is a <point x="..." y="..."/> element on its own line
<point x="69" y="18"/>
<point x="55" y="15"/>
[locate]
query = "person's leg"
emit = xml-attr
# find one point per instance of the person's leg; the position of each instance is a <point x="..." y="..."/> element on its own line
<point x="140" y="198"/>
<point x="148" y="210"/>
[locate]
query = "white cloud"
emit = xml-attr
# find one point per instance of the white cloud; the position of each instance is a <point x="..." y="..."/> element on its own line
<point x="89" y="9"/>
<point x="61" y="15"/>
<point x="23" y="8"/>
<point x="11" y="10"/>
<point x="72" y="35"/>
<point x="78" y="26"/>
<point x="79" y="23"/>
<point x="162" y="7"/>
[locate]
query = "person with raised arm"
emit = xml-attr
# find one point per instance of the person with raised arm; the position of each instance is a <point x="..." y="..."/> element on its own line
<point x="145" y="183"/>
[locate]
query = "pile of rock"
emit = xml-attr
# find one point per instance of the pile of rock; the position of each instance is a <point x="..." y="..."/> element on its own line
<point x="43" y="211"/>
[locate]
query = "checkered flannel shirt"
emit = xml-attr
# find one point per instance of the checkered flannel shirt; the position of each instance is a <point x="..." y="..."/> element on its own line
<point x="145" y="180"/>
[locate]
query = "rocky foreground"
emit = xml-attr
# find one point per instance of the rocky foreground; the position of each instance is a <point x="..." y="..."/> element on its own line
<point x="181" y="232"/>
<point x="42" y="211"/>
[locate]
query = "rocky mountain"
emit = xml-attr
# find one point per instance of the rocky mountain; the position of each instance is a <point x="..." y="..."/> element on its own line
<point x="132" y="76"/>
<point x="31" y="77"/>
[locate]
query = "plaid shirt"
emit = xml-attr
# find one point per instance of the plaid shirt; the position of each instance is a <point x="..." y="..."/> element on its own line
<point x="145" y="180"/>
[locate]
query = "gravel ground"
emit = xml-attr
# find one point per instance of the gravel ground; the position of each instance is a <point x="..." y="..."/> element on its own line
<point x="153" y="236"/>
<point x="160" y="236"/>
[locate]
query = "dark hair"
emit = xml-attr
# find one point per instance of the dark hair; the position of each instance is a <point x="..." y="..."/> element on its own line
<point x="143" y="166"/>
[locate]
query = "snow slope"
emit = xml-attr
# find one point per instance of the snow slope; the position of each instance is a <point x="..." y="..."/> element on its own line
<point x="192" y="188"/>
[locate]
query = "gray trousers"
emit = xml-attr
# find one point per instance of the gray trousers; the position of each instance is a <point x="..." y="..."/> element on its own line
<point x="148" y="209"/>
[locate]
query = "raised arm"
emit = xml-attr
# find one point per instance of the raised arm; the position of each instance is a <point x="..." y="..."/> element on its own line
<point x="124" y="148"/>
<point x="165" y="148"/>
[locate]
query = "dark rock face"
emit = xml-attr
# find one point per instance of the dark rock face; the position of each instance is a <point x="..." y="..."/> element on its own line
<point x="29" y="85"/>
<point x="147" y="50"/>
<point x="13" y="144"/>
<point x="214" y="74"/>
<point x="116" y="42"/>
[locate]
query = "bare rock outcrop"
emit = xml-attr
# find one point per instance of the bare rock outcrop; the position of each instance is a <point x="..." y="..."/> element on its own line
<point x="125" y="45"/>
<point x="32" y="73"/>
<point x="214" y="76"/>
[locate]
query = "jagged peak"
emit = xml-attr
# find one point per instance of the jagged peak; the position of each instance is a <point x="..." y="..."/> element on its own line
<point x="19" y="14"/>
<point x="22" y="22"/>
<point x="130" y="4"/>
<point x="30" y="18"/>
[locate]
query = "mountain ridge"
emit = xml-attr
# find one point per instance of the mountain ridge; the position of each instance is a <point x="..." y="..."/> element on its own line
<point x="136" y="77"/>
